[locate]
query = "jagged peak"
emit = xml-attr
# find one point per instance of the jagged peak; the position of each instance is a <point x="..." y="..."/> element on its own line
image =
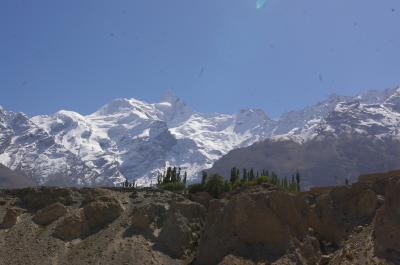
<point x="169" y="96"/>
<point x="259" y="113"/>
<point x="116" y="105"/>
<point x="345" y="106"/>
<point x="69" y="113"/>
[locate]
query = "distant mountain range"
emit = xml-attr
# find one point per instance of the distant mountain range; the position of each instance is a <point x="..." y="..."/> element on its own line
<point x="132" y="139"/>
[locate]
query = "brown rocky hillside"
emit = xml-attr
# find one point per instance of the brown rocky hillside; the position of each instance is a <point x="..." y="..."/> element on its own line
<point x="357" y="224"/>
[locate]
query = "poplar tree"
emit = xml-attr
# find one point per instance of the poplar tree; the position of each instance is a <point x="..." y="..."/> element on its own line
<point x="204" y="178"/>
<point x="298" y="181"/>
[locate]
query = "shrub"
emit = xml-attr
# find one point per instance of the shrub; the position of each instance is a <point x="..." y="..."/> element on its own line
<point x="215" y="185"/>
<point x="236" y="185"/>
<point x="173" y="186"/>
<point x="227" y="186"/>
<point x="196" y="188"/>
<point x="262" y="179"/>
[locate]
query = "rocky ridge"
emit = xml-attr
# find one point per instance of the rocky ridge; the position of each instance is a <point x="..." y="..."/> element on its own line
<point x="356" y="224"/>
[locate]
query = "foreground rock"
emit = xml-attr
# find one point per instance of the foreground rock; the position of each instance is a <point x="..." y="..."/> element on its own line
<point x="181" y="229"/>
<point x="84" y="226"/>
<point x="257" y="224"/>
<point x="93" y="216"/>
<point x="387" y="225"/>
<point x="10" y="218"/>
<point x="322" y="226"/>
<point x="175" y="224"/>
<point x="50" y="214"/>
<point x="357" y="224"/>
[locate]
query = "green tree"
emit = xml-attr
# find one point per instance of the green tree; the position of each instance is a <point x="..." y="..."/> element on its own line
<point x="298" y="178"/>
<point x="185" y="178"/>
<point x="251" y="174"/>
<point x="215" y="185"/>
<point x="168" y="176"/>
<point x="173" y="175"/>
<point x="204" y="178"/>
<point x="285" y="183"/>
<point x="265" y="172"/>
<point x="126" y="184"/>
<point x="245" y="175"/>
<point x="235" y="175"/>
<point x="178" y="175"/>
<point x="227" y="186"/>
<point x="274" y="179"/>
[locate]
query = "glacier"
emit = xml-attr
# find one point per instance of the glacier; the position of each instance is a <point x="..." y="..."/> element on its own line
<point x="133" y="139"/>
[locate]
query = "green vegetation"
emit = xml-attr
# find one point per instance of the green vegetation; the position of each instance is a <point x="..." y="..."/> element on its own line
<point x="173" y="180"/>
<point x="216" y="185"/>
<point x="128" y="185"/>
<point x="251" y="179"/>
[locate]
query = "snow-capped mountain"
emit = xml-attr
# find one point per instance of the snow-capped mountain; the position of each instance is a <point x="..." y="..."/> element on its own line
<point x="126" y="138"/>
<point x="373" y="113"/>
<point x="342" y="138"/>
<point x="133" y="139"/>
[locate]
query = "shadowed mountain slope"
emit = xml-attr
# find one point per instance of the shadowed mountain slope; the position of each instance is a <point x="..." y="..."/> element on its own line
<point x="12" y="179"/>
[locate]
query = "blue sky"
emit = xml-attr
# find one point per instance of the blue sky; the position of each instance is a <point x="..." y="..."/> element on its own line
<point x="217" y="55"/>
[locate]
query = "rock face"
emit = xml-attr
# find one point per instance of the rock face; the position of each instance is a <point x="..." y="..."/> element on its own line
<point x="71" y="227"/>
<point x="387" y="225"/>
<point x="36" y="198"/>
<point x="10" y="218"/>
<point x="334" y="213"/>
<point x="259" y="224"/>
<point x="175" y="225"/>
<point x="181" y="229"/>
<point x="98" y="226"/>
<point x="88" y="219"/>
<point x="149" y="216"/>
<point x="50" y="214"/>
<point x="315" y="227"/>
<point x="101" y="212"/>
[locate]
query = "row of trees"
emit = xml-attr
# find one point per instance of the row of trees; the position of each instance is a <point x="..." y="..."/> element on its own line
<point x="128" y="184"/>
<point x="248" y="176"/>
<point x="175" y="179"/>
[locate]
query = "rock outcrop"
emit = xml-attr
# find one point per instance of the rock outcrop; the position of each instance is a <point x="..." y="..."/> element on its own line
<point x="182" y="227"/>
<point x="175" y="225"/>
<point x="50" y="214"/>
<point x="72" y="226"/>
<point x="259" y="224"/>
<point x="36" y="198"/>
<point x="354" y="224"/>
<point x="334" y="213"/>
<point x="10" y="218"/>
<point x="93" y="216"/>
<point x="387" y="225"/>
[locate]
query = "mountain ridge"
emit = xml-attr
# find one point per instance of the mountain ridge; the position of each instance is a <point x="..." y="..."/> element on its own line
<point x="129" y="138"/>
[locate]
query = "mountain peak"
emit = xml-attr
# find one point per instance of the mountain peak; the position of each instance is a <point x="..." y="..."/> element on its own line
<point x="252" y="113"/>
<point x="117" y="105"/>
<point x="169" y="97"/>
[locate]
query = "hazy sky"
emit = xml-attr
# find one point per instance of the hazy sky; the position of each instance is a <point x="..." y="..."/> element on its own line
<point x="217" y="55"/>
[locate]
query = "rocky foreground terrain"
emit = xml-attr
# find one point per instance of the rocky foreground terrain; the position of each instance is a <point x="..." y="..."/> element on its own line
<point x="357" y="224"/>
